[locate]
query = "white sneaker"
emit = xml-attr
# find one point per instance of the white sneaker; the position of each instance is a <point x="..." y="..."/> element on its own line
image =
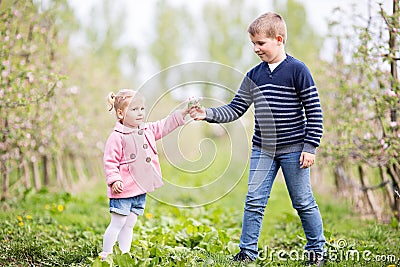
<point x="103" y="255"/>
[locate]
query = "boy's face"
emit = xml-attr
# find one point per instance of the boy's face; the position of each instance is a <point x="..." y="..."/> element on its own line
<point x="135" y="113"/>
<point x="270" y="50"/>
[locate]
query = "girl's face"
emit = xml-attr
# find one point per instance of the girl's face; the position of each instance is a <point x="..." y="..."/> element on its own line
<point x="135" y="113"/>
<point x="270" y="50"/>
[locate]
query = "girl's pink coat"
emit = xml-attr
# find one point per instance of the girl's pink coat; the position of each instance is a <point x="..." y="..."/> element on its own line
<point x="126" y="152"/>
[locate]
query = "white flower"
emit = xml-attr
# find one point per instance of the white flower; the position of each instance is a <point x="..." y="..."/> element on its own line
<point x="390" y="93"/>
<point x="74" y="90"/>
<point x="367" y="136"/>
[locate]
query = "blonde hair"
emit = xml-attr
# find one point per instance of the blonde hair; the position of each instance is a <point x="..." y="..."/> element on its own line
<point x="271" y="24"/>
<point x="122" y="99"/>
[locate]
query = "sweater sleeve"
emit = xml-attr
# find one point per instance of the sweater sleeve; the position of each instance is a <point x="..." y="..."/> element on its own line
<point x="308" y="94"/>
<point x="236" y="108"/>
<point x="163" y="127"/>
<point x="112" y="157"/>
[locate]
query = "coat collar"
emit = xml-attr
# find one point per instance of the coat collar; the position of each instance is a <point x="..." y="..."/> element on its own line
<point x="119" y="127"/>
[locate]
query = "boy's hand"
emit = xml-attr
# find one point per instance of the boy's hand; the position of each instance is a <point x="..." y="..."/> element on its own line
<point x="117" y="187"/>
<point x="306" y="160"/>
<point x="197" y="113"/>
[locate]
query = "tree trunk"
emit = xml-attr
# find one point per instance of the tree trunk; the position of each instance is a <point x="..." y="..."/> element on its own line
<point x="36" y="175"/>
<point x="60" y="172"/>
<point x="396" y="190"/>
<point x="6" y="180"/>
<point x="79" y="168"/>
<point x="369" y="195"/>
<point x="26" y="173"/>
<point x="388" y="191"/>
<point x="46" y="170"/>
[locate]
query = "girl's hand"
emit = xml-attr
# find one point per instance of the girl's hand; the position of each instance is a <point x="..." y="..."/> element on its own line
<point x="185" y="111"/>
<point x="306" y="160"/>
<point x="117" y="187"/>
<point x="198" y="113"/>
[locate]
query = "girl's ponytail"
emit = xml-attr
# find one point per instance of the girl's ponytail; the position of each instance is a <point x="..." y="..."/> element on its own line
<point x="111" y="100"/>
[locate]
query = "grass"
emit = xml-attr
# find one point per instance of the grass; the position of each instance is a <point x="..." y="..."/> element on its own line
<point x="62" y="229"/>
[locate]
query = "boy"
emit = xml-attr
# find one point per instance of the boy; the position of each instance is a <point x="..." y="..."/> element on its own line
<point x="288" y="129"/>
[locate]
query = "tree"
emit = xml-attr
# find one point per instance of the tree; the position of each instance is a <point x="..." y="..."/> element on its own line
<point x="31" y="88"/>
<point x="363" y="107"/>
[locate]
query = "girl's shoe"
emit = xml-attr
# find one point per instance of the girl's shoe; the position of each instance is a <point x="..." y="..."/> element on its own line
<point x="103" y="255"/>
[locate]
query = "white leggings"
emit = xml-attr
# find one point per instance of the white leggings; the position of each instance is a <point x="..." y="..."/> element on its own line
<point x="121" y="228"/>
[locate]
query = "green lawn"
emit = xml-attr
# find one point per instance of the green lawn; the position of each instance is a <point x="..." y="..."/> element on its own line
<point x="61" y="229"/>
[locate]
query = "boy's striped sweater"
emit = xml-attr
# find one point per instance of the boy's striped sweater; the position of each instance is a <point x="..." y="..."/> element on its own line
<point x="288" y="115"/>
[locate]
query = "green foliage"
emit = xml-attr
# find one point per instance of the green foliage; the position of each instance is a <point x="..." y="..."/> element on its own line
<point x="228" y="43"/>
<point x="302" y="40"/>
<point x="47" y="229"/>
<point x="172" y="25"/>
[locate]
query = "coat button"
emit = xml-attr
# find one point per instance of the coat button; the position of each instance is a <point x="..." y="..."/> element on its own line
<point x="140" y="132"/>
<point x="145" y="146"/>
<point x="132" y="156"/>
<point x="148" y="159"/>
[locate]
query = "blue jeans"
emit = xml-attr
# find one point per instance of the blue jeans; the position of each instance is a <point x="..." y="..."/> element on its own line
<point x="263" y="170"/>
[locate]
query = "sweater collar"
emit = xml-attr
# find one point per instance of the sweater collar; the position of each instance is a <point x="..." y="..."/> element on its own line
<point x="119" y="127"/>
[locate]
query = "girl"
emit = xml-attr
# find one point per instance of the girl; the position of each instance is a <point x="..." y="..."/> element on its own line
<point x="131" y="164"/>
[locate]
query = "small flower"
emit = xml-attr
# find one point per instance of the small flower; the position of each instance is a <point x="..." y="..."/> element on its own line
<point x="30" y="77"/>
<point x="5" y="73"/>
<point x="47" y="207"/>
<point x="390" y="93"/>
<point x="148" y="215"/>
<point x="21" y="224"/>
<point x="74" y="90"/>
<point x="60" y="208"/>
<point x="19" y="218"/>
<point x="28" y="217"/>
<point x="79" y="135"/>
